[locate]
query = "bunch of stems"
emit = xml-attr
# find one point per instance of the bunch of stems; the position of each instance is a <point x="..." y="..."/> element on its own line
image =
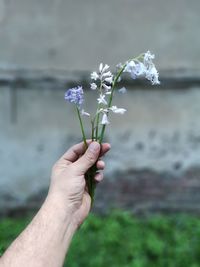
<point x="95" y="136"/>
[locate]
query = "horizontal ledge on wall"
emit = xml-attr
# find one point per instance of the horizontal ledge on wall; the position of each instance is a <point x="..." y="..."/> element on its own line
<point x="61" y="79"/>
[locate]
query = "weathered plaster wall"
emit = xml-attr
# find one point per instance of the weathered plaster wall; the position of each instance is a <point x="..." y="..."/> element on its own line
<point x="76" y="34"/>
<point x="154" y="163"/>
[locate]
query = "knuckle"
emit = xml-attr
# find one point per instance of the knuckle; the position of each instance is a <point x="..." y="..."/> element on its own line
<point x="90" y="157"/>
<point x="83" y="183"/>
<point x="100" y="175"/>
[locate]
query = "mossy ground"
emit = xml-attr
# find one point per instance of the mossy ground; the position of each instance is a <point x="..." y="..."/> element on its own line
<point x="120" y="239"/>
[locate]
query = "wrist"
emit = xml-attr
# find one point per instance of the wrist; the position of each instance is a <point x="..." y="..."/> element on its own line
<point x="61" y="210"/>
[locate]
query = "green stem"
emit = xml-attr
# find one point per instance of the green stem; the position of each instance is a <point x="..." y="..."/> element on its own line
<point x="97" y="126"/>
<point x="89" y="176"/>
<point x="82" y="128"/>
<point x="92" y="122"/>
<point x="91" y="184"/>
<point x="98" y="114"/>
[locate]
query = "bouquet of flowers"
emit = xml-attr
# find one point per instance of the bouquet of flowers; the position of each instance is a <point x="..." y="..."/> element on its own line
<point x="105" y="83"/>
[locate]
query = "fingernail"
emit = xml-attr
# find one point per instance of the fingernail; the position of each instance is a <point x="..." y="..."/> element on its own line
<point x="94" y="147"/>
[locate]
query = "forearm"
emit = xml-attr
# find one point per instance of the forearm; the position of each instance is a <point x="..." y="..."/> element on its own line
<point x="45" y="241"/>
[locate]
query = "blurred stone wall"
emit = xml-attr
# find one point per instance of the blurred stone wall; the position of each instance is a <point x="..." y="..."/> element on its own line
<point x="48" y="46"/>
<point x="76" y="35"/>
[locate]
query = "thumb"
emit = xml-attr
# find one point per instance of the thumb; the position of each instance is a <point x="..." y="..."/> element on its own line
<point x="88" y="159"/>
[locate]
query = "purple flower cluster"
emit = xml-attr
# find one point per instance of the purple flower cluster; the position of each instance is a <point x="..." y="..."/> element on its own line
<point x="75" y="95"/>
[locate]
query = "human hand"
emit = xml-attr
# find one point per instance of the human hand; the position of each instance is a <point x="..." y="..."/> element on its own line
<point x="68" y="183"/>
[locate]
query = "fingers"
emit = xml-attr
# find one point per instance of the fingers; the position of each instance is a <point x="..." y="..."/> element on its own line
<point x="75" y="152"/>
<point x="98" y="177"/>
<point x="88" y="159"/>
<point x="105" y="147"/>
<point x="100" y="165"/>
<point x="78" y="150"/>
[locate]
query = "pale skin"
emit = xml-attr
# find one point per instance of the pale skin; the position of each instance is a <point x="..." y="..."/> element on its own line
<point x="46" y="239"/>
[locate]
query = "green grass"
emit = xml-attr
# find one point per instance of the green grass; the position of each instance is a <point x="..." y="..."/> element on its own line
<point x="123" y="240"/>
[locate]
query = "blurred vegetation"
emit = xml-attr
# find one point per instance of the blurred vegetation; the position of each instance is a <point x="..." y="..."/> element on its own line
<point x="119" y="239"/>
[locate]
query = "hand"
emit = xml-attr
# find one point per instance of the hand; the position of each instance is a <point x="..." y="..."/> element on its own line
<point x="68" y="183"/>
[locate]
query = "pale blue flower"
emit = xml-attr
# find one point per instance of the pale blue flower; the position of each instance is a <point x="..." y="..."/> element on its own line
<point x="106" y="74"/>
<point x="83" y="113"/>
<point x="129" y="66"/>
<point x="151" y="71"/>
<point x="109" y="79"/>
<point x="117" y="110"/>
<point x="108" y="93"/>
<point x="122" y="90"/>
<point x="94" y="75"/>
<point x="106" y="87"/>
<point x="135" y="69"/>
<point x="101" y="100"/>
<point x="104" y="120"/>
<point x="145" y="69"/>
<point x="75" y="95"/>
<point x="93" y="86"/>
<point x="100" y="67"/>
<point x="152" y="75"/>
<point x="103" y="68"/>
<point x="139" y="69"/>
<point x="148" y="58"/>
